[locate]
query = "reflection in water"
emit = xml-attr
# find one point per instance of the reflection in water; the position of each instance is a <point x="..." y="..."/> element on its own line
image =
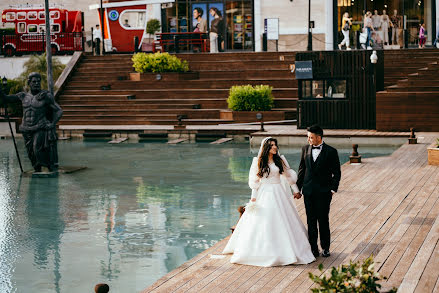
<point x="45" y="224"/>
<point x="137" y="212"/>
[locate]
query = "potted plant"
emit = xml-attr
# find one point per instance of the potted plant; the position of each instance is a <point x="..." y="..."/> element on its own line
<point x="246" y="101"/>
<point x="152" y="26"/>
<point x="160" y="66"/>
<point x="433" y="153"/>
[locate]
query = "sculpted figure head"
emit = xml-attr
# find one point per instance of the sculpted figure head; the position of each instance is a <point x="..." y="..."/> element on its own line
<point x="34" y="82"/>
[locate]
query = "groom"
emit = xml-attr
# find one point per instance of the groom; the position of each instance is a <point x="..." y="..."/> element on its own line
<point x="318" y="178"/>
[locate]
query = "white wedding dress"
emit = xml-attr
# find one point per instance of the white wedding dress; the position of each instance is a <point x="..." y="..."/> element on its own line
<point x="271" y="233"/>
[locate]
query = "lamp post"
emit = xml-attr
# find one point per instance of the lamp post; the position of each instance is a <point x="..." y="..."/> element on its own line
<point x="373" y="61"/>
<point x="4" y="85"/>
<point x="48" y="48"/>
<point x="309" y="48"/>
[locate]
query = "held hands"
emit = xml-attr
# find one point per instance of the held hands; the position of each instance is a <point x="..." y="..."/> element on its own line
<point x="297" y="195"/>
<point x="253" y="199"/>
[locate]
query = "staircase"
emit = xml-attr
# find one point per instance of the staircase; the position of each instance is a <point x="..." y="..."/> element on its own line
<point x="411" y="96"/>
<point x="100" y="92"/>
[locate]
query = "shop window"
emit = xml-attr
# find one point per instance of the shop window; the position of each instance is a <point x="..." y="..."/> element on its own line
<point x="41" y="15"/>
<point x="54" y="14"/>
<point x="55" y="28"/>
<point x="21" y="15"/>
<point x="324" y="89"/>
<point x="10" y="16"/>
<point x="32" y="28"/>
<point x="133" y="19"/>
<point x="21" y="27"/>
<point x="32" y="15"/>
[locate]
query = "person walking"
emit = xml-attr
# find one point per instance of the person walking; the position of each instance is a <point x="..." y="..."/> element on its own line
<point x="97" y="38"/>
<point x="270" y="232"/>
<point x="318" y="179"/>
<point x="368" y="25"/>
<point x="422" y="38"/>
<point x="385" y="22"/>
<point x="345" y="29"/>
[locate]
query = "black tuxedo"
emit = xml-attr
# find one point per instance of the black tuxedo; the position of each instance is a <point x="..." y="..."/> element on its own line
<point x="317" y="180"/>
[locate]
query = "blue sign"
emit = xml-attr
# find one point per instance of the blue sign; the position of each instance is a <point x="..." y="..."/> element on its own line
<point x="303" y="69"/>
<point x="113" y="15"/>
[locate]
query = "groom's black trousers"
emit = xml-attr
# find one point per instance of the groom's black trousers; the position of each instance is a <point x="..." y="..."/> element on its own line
<point x="317" y="213"/>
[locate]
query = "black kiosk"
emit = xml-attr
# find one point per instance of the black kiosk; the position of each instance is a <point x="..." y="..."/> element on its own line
<point x="337" y="89"/>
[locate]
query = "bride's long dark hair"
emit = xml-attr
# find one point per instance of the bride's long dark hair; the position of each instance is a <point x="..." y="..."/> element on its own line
<point x="263" y="166"/>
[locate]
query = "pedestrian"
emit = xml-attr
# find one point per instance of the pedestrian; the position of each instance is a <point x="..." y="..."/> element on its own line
<point x="97" y="38"/>
<point x="345" y="29"/>
<point x="422" y="37"/>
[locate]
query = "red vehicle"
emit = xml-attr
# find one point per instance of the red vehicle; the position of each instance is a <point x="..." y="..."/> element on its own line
<point x="24" y="30"/>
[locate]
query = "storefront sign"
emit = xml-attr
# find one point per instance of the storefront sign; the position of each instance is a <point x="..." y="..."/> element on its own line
<point x="271" y="28"/>
<point x="304" y="70"/>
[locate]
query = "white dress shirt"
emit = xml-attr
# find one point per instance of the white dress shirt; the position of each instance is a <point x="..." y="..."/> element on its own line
<point x="316" y="152"/>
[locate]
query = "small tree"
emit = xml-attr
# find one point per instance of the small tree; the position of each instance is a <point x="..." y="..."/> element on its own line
<point x="152" y="26"/>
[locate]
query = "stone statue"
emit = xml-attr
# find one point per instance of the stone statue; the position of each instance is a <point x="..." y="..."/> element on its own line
<point x="40" y="115"/>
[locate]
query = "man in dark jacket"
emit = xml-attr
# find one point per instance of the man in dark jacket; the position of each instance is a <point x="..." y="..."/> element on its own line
<point x="318" y="178"/>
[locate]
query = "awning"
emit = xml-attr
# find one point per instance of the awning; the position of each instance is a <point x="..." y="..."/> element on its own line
<point x="129" y="3"/>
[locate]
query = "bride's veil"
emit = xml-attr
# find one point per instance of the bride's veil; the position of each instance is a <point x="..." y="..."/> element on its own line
<point x="283" y="180"/>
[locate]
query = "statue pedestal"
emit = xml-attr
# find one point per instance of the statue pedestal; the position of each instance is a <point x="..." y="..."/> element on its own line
<point x="60" y="171"/>
<point x="45" y="174"/>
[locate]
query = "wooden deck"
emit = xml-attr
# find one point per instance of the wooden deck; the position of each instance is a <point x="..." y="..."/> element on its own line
<point x="387" y="206"/>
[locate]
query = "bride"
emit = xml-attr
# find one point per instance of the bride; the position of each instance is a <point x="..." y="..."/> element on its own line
<point x="270" y="232"/>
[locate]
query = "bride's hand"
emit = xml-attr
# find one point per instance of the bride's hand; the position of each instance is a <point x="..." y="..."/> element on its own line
<point x="253" y="199"/>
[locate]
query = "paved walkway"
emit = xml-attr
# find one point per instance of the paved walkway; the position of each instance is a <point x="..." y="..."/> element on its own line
<point x="387" y="206"/>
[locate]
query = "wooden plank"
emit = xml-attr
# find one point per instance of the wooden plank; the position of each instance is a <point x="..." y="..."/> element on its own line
<point x="118" y="140"/>
<point x="222" y="140"/>
<point x="176" y="141"/>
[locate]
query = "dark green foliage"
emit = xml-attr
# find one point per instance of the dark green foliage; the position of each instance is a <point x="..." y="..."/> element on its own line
<point x="158" y="62"/>
<point x="352" y="278"/>
<point x="249" y="98"/>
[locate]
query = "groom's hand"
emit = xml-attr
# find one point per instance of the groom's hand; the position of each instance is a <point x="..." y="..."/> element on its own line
<point x="297" y="195"/>
<point x="253" y="199"/>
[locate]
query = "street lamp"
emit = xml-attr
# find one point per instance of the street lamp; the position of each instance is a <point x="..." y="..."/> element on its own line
<point x="309" y="27"/>
<point x="4" y="82"/>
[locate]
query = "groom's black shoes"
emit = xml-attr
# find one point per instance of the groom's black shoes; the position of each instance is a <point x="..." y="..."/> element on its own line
<point x="316" y="253"/>
<point x="326" y="253"/>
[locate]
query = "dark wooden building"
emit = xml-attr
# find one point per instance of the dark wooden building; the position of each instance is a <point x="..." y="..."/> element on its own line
<point x="342" y="91"/>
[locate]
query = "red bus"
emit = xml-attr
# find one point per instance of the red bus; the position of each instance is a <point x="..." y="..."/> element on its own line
<point x="24" y="30"/>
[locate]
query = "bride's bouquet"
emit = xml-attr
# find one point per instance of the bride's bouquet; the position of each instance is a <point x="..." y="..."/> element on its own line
<point x="251" y="207"/>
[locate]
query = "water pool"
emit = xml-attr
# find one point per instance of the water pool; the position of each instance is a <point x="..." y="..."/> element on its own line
<point x="138" y="211"/>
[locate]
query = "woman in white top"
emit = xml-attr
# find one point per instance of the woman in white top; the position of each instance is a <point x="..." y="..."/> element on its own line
<point x="385" y="23"/>
<point x="270" y="232"/>
<point x="345" y="29"/>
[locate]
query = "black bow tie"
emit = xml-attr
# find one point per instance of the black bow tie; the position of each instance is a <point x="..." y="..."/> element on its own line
<point x="317" y="147"/>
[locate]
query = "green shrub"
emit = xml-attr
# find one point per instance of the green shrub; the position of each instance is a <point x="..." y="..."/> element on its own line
<point x="353" y="278"/>
<point x="152" y="26"/>
<point x="249" y="98"/>
<point x="158" y="62"/>
<point x="437" y="142"/>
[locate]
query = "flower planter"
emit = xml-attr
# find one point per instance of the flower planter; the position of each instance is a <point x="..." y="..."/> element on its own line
<point x="250" y="116"/>
<point x="164" y="76"/>
<point x="433" y="154"/>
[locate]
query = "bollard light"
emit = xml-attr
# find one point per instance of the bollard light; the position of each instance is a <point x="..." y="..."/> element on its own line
<point x="4" y="81"/>
<point x="259" y="116"/>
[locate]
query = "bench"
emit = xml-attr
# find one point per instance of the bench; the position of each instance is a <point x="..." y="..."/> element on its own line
<point x="165" y="41"/>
